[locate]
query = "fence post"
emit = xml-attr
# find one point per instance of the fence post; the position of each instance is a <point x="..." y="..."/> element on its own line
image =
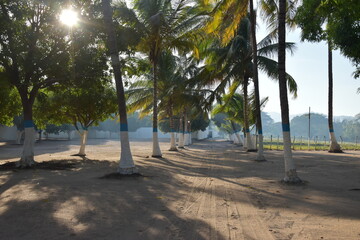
<point x="316" y="138"/>
<point x="300" y="143"/>
<point x="294" y="143"/>
<point x="324" y="143"/>
<point x="341" y="141"/>
<point x="277" y="145"/>
<point x="356" y="141"/>
<point x="270" y="141"/>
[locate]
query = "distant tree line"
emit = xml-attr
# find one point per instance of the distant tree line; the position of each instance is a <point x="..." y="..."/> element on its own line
<point x="347" y="129"/>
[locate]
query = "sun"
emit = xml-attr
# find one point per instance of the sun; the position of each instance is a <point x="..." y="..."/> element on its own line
<point x="69" y="17"/>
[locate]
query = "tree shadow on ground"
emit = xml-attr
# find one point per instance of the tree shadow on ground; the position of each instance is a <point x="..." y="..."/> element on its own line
<point x="76" y="204"/>
<point x="328" y="176"/>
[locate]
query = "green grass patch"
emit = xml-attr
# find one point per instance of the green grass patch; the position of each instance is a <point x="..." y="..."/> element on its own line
<point x="302" y="145"/>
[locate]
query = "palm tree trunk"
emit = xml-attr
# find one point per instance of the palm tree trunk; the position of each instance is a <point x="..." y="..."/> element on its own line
<point x="237" y="135"/>
<point x="260" y="153"/>
<point x="186" y="130"/>
<point x="69" y="134"/>
<point x="172" y="133"/>
<point x="190" y="140"/>
<point x="126" y="164"/>
<point x="234" y="139"/>
<point x="334" y="146"/>
<point x="181" y="132"/>
<point x="234" y="136"/>
<point x="290" y="170"/>
<point x="249" y="144"/>
<point x="156" y="152"/>
<point x="244" y="134"/>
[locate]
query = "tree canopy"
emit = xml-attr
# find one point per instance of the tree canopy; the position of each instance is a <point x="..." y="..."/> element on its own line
<point x="342" y="25"/>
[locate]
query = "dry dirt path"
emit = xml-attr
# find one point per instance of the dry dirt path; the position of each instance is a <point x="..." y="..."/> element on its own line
<point x="210" y="190"/>
<point x="213" y="198"/>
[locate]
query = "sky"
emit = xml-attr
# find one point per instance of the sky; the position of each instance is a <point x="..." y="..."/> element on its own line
<point x="308" y="66"/>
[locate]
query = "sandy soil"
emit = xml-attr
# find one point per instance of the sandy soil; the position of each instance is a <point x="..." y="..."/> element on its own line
<point x="210" y="190"/>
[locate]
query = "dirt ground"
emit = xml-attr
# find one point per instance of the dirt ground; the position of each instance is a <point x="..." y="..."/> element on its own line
<point x="210" y="190"/>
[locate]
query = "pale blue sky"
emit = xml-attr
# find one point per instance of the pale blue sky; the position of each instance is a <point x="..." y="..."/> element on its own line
<point x="308" y="66"/>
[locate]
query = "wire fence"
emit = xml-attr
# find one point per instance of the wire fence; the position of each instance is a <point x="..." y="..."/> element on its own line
<point x="317" y="143"/>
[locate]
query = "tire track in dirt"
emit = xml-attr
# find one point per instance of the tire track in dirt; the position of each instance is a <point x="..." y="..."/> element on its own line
<point x="244" y="218"/>
<point x="173" y="227"/>
<point x="200" y="203"/>
<point x="219" y="213"/>
<point x="215" y="205"/>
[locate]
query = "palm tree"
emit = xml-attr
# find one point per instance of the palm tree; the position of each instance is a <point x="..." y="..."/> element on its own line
<point x="260" y="153"/>
<point x="278" y="15"/>
<point x="238" y="9"/>
<point x="176" y="97"/>
<point x="290" y="169"/>
<point x="162" y="25"/>
<point x="334" y="146"/>
<point x="235" y="61"/>
<point x="126" y="165"/>
<point x="226" y="27"/>
<point x="233" y="106"/>
<point x="170" y="87"/>
<point x="311" y="19"/>
<point x="249" y="144"/>
<point x="270" y="13"/>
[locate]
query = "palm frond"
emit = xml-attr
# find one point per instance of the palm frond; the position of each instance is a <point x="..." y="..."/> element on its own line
<point x="270" y="67"/>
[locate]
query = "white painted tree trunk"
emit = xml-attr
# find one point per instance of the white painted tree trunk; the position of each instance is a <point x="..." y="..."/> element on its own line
<point x="235" y="139"/>
<point x="18" y="136"/>
<point x="237" y="135"/>
<point x="126" y="164"/>
<point x="334" y="146"/>
<point x="27" y="158"/>
<point x="260" y="153"/>
<point x="69" y="134"/>
<point x="37" y="136"/>
<point x="290" y="169"/>
<point x="245" y="142"/>
<point x="190" y="140"/>
<point x="156" y="152"/>
<point x="181" y="140"/>
<point x="186" y="138"/>
<point x="172" y="142"/>
<point x="172" y="133"/>
<point x="249" y="142"/>
<point x="83" y="140"/>
<point x="186" y="133"/>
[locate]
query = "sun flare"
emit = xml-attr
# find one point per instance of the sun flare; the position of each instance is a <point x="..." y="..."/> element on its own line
<point x="69" y="17"/>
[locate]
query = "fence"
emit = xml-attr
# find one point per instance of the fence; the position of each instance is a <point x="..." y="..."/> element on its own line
<point x="317" y="143"/>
